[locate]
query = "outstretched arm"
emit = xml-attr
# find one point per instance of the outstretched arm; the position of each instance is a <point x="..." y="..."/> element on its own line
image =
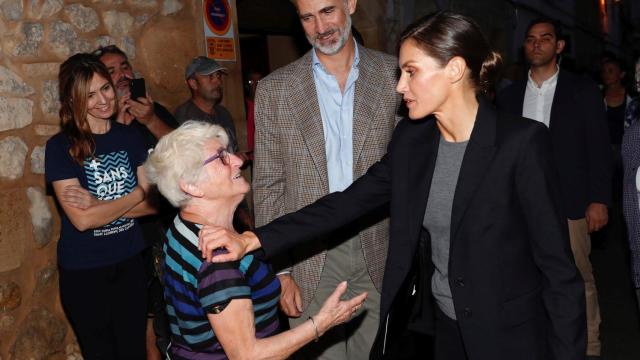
<point x="325" y="215"/>
<point x="234" y="327"/>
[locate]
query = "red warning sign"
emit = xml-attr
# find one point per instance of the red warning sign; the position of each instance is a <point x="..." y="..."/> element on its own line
<point x="218" y="15"/>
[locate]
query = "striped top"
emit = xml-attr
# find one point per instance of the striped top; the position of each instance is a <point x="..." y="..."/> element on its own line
<point x="194" y="288"/>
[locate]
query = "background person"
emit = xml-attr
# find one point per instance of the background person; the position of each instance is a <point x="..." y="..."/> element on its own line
<point x="153" y="121"/>
<point x="475" y="204"/>
<point x="227" y="309"/>
<point x="616" y="100"/>
<point x="321" y="121"/>
<point x="571" y="107"/>
<point x="94" y="166"/>
<point x="204" y="77"/>
<point x="631" y="182"/>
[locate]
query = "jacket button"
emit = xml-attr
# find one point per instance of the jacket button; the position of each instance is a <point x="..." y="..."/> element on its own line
<point x="460" y="281"/>
<point x="467" y="312"/>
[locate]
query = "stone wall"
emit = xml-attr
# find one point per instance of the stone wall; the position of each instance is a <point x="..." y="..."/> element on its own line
<point x="160" y="36"/>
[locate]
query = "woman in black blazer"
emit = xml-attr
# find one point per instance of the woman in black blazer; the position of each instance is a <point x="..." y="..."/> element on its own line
<point x="475" y="208"/>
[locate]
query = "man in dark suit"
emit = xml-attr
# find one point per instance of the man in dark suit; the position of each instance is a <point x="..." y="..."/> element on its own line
<point x="571" y="107"/>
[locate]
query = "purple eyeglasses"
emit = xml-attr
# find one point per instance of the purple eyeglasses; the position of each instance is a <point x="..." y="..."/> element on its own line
<point x="222" y="154"/>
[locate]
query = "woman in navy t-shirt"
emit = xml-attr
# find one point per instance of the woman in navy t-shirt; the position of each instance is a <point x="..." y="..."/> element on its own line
<point x="94" y="167"/>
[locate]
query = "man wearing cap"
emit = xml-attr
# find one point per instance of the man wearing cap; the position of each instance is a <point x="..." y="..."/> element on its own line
<point x="320" y="123"/>
<point x="204" y="77"/>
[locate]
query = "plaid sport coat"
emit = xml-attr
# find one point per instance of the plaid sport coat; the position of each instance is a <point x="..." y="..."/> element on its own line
<point x="290" y="166"/>
<point x="631" y="208"/>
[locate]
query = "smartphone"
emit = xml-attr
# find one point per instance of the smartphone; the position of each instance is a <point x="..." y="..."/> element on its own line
<point x="137" y="88"/>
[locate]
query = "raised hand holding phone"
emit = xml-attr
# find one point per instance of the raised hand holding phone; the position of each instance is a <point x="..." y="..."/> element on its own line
<point x="137" y="88"/>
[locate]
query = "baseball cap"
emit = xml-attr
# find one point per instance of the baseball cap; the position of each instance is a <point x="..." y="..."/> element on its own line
<point x="202" y="65"/>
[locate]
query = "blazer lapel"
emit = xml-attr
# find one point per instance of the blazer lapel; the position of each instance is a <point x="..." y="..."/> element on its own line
<point x="307" y="114"/>
<point x="561" y="96"/>
<point x="476" y="160"/>
<point x="368" y="87"/>
<point x="420" y="168"/>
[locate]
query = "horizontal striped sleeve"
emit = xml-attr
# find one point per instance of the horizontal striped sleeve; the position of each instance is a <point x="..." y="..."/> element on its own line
<point x="218" y="284"/>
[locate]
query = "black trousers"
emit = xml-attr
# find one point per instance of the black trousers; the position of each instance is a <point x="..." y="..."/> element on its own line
<point x="107" y="309"/>
<point x="448" y="344"/>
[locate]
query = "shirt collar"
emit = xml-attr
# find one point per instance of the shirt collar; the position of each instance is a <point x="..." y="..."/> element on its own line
<point x="549" y="82"/>
<point x="317" y="64"/>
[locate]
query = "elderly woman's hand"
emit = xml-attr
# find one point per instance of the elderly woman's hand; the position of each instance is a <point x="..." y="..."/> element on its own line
<point x="237" y="245"/>
<point x="335" y="312"/>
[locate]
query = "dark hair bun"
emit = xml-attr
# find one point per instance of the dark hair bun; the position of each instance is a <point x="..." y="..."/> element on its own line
<point x="489" y="71"/>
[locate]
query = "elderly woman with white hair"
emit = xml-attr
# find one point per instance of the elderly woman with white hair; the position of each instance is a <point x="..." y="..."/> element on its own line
<point x="227" y="310"/>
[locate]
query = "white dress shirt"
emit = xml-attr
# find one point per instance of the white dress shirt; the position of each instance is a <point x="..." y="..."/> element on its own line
<point x="538" y="100"/>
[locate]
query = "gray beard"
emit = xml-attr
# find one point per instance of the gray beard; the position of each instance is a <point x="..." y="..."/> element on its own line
<point x="338" y="45"/>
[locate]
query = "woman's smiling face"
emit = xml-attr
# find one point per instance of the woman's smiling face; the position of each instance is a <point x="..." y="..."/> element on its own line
<point x="101" y="100"/>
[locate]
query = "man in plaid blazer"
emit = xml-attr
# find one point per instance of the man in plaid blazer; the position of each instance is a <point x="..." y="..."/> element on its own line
<point x="321" y="121"/>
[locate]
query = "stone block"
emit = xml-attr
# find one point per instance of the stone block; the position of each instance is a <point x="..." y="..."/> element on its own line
<point x="166" y="73"/>
<point x="10" y="297"/>
<point x="118" y="23"/>
<point x="81" y="45"/>
<point x="170" y="7"/>
<point x="42" y="335"/>
<point x="104" y="40"/>
<point x="128" y="45"/>
<point x="51" y="7"/>
<point x="46" y="130"/>
<point x="13" y="152"/>
<point x="41" y="217"/>
<point x="141" y="20"/>
<point x="15" y="113"/>
<point x="46" y="69"/>
<point x="62" y="38"/>
<point x="125" y="43"/>
<point x="82" y="17"/>
<point x="37" y="160"/>
<point x="44" y="9"/>
<point x="33" y="34"/>
<point x="6" y="322"/>
<point x="142" y="3"/>
<point x="10" y="82"/>
<point x="46" y="279"/>
<point x="50" y="104"/>
<point x="13" y="229"/>
<point x="12" y="9"/>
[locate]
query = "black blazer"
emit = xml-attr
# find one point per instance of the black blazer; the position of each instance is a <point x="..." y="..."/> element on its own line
<point x="579" y="136"/>
<point x="516" y="291"/>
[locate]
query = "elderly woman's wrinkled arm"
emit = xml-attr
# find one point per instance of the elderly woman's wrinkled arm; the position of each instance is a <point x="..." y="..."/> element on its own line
<point x="234" y="327"/>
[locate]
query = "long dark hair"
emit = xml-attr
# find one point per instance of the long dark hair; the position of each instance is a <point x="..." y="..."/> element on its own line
<point x="444" y="35"/>
<point x="74" y="81"/>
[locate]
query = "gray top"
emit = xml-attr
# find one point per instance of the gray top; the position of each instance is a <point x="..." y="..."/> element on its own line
<point x="221" y="116"/>
<point x="437" y="219"/>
